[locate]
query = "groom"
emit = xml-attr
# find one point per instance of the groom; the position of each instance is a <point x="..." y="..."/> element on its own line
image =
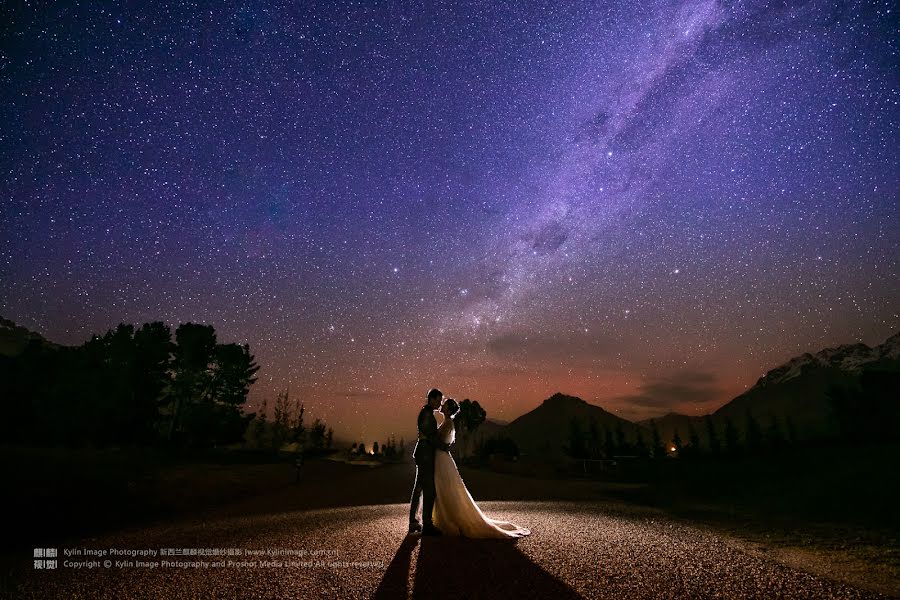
<point x="423" y="454"/>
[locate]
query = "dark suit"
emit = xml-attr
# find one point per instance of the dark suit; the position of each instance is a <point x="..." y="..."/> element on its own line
<point x="424" y="456"/>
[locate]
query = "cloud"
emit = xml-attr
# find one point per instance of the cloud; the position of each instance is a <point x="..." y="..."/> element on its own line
<point x="684" y="387"/>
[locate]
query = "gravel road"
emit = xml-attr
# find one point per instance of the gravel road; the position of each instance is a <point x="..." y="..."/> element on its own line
<point x="577" y="550"/>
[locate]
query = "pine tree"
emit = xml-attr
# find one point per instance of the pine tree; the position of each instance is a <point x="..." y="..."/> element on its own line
<point x="693" y="448"/>
<point x="774" y="437"/>
<point x="576" y="447"/>
<point x="753" y="435"/>
<point x="258" y="435"/>
<point x="732" y="440"/>
<point x="620" y="438"/>
<point x="593" y="449"/>
<point x="609" y="446"/>
<point x="659" y="451"/>
<point x="715" y="447"/>
<point x="791" y="431"/>
<point x="281" y="429"/>
<point x="298" y="429"/>
<point x="640" y="446"/>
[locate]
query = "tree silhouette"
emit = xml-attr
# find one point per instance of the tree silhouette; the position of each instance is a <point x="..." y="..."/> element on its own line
<point x="317" y="435"/>
<point x="694" y="449"/>
<point x="609" y="444"/>
<point x="715" y="447"/>
<point x="210" y="381"/>
<point x="280" y="429"/>
<point x="193" y="354"/>
<point x="732" y="440"/>
<point x="298" y="429"/>
<point x="640" y="446"/>
<point x="594" y="443"/>
<point x="470" y="417"/>
<point x="153" y="348"/>
<point x="576" y="447"/>
<point x="753" y="435"/>
<point x="658" y="450"/>
<point x="127" y="373"/>
<point x="130" y="386"/>
<point x="774" y="439"/>
<point x="620" y="438"/>
<point x="500" y="445"/>
<point x="791" y="431"/>
<point x="867" y="411"/>
<point x="257" y="434"/>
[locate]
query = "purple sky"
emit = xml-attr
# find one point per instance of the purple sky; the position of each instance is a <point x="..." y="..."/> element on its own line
<point x="645" y="204"/>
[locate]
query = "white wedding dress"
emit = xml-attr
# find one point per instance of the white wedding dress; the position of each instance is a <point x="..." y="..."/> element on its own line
<point x="455" y="512"/>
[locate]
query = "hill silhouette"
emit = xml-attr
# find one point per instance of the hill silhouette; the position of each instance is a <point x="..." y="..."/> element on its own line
<point x="545" y="431"/>
<point x="812" y="396"/>
<point x="15" y="338"/>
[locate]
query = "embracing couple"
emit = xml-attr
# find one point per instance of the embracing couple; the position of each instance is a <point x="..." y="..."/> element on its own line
<point x="448" y="507"/>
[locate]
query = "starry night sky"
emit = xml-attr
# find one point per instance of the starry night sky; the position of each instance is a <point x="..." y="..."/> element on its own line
<point x="645" y="204"/>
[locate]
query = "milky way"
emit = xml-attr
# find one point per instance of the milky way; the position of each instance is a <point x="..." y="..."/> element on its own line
<point x="645" y="204"/>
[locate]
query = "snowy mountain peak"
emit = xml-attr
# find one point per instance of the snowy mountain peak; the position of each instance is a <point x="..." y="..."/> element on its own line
<point x="846" y="357"/>
<point x="891" y="347"/>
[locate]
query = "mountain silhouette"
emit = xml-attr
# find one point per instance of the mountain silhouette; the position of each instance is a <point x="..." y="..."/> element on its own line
<point x="15" y="338"/>
<point x="799" y="389"/>
<point x="545" y="430"/>
<point x="794" y="397"/>
<point x="799" y="392"/>
<point x="671" y="422"/>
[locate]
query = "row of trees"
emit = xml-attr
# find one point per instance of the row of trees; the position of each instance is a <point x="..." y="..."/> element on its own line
<point x="869" y="410"/>
<point x="470" y="417"/>
<point x="389" y="450"/>
<point x="130" y="386"/>
<point x="141" y="386"/>
<point x="726" y="440"/>
<point x="287" y="427"/>
<point x="497" y="445"/>
<point x="864" y="412"/>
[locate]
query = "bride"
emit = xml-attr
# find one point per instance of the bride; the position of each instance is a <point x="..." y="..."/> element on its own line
<point x="455" y="513"/>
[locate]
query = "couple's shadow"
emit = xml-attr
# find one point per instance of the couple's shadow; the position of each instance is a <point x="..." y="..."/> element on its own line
<point x="453" y="567"/>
